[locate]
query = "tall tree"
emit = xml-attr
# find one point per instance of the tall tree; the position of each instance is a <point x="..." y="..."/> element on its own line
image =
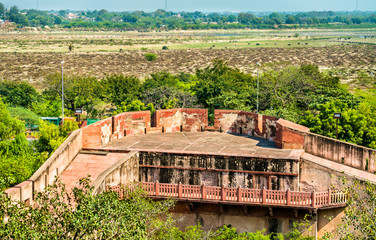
<point x="2" y="10"/>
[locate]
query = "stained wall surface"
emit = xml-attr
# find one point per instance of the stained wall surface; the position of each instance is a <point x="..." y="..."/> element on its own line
<point x="342" y="152"/>
<point x="218" y="170"/>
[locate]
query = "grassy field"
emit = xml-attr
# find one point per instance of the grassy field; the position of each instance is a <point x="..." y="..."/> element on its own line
<point x="114" y="41"/>
<point x="32" y="56"/>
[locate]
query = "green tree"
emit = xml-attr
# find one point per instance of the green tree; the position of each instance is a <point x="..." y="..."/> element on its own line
<point x="30" y="118"/>
<point x="15" y="16"/>
<point x="49" y="137"/>
<point x="165" y="97"/>
<point x="290" y="20"/>
<point x="218" y="85"/>
<point x="121" y="88"/>
<point x="18" y="94"/>
<point x="357" y="125"/>
<point x="151" y="56"/>
<point x="81" y="214"/>
<point x="358" y="221"/>
<point x="134" y="106"/>
<point x="79" y="92"/>
<point x="2" y="9"/>
<point x="47" y="108"/>
<point x="9" y="127"/>
<point x="68" y="127"/>
<point x="17" y="158"/>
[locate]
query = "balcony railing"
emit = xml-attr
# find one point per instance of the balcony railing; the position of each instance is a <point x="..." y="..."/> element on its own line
<point x="241" y="195"/>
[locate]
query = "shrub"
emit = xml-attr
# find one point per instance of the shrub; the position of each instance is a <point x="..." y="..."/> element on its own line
<point x="164" y="48"/>
<point x="150" y="56"/>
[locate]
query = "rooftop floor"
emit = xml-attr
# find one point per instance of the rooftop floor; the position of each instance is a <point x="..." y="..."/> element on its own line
<point x="84" y="165"/>
<point x="204" y="143"/>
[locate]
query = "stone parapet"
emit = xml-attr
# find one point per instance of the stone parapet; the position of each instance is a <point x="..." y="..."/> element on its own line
<point x="51" y="169"/>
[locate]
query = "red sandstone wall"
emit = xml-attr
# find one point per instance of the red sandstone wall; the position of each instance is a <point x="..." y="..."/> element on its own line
<point x="194" y="120"/>
<point x="269" y="128"/>
<point x="290" y="135"/>
<point x="233" y="121"/>
<point x="224" y="119"/>
<point x="169" y="119"/>
<point x="128" y="123"/>
<point x="181" y="119"/>
<point x="131" y="123"/>
<point x="97" y="134"/>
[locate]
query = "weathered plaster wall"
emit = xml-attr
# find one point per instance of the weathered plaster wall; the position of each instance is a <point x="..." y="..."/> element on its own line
<point x="246" y="123"/>
<point x="132" y="123"/>
<point x="243" y="218"/>
<point x="313" y="177"/>
<point x="218" y="170"/>
<point x="47" y="173"/>
<point x="328" y="220"/>
<point x="346" y="153"/>
<point x="285" y="133"/>
<point x="125" y="171"/>
<point x="213" y="221"/>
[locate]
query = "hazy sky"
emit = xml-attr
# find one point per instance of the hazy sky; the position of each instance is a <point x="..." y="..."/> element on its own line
<point x="198" y="5"/>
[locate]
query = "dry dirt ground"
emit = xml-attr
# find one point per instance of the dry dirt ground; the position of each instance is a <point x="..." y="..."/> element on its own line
<point x="35" y="66"/>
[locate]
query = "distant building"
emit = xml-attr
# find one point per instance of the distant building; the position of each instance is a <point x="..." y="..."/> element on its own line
<point x="72" y="16"/>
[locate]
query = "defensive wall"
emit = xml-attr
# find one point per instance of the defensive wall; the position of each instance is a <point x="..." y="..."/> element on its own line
<point x="50" y="170"/>
<point x="253" y="171"/>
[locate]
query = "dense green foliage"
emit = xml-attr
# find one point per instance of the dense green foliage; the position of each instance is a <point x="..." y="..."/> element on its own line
<point x="166" y="20"/>
<point x="358" y="221"/>
<point x="82" y="215"/>
<point x="19" y="159"/>
<point x="151" y="56"/>
<point x="59" y="213"/>
<point x="18" y="94"/>
<point x="30" y="118"/>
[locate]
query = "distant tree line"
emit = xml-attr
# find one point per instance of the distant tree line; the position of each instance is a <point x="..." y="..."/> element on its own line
<point x="167" y="20"/>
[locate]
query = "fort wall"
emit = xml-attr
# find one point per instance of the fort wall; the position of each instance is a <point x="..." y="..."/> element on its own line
<point x="130" y="123"/>
<point x="125" y="171"/>
<point x="52" y="168"/>
<point x="236" y="170"/>
<point x="342" y="152"/>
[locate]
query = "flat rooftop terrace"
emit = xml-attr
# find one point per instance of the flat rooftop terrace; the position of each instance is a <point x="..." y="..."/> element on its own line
<point x="204" y="143"/>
